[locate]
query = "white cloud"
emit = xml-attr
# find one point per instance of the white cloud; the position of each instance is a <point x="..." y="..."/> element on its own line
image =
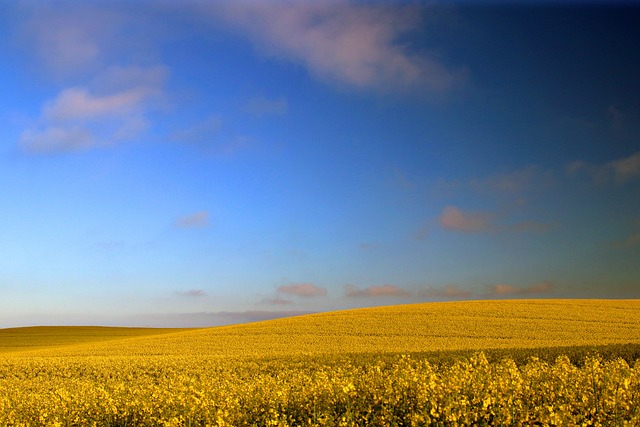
<point x="77" y="104"/>
<point x="353" y="44"/>
<point x="113" y="108"/>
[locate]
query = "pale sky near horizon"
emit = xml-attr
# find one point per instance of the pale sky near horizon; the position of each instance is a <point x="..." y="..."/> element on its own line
<point x="195" y="163"/>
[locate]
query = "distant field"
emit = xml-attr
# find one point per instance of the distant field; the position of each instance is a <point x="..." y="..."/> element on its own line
<point x="469" y="325"/>
<point x="405" y="365"/>
<point x="38" y="337"/>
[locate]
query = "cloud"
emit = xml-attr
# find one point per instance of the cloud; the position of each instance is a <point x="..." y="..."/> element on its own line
<point x="354" y="44"/>
<point x="198" y="219"/>
<point x="453" y="218"/>
<point x="55" y="139"/>
<point x="113" y="108"/>
<point x="77" y="104"/>
<point x="447" y="292"/>
<point x="506" y="289"/>
<point x="212" y="137"/>
<point x="627" y="168"/>
<point x="261" y="106"/>
<point x="302" y="290"/>
<point x="192" y="293"/>
<point x="619" y="171"/>
<point x="376" y="291"/>
<point x="70" y="38"/>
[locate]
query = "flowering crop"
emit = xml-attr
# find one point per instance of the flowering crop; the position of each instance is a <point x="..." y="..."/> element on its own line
<point x="369" y="367"/>
<point x="403" y="390"/>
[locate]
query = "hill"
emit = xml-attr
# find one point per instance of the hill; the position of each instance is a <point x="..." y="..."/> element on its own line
<point x="38" y="337"/>
<point x="424" y="327"/>
<point x="344" y="368"/>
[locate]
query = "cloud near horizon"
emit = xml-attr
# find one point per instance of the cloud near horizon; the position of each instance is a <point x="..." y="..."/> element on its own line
<point x="305" y="290"/>
<point x="386" y="290"/>
<point x="506" y="289"/>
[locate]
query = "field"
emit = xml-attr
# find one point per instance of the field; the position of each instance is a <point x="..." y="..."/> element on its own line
<point x="527" y="362"/>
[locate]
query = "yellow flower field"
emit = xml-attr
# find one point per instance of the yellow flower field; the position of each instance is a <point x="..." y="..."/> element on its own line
<point x="361" y="367"/>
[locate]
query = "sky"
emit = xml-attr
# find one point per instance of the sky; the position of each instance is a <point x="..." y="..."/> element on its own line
<point x="198" y="163"/>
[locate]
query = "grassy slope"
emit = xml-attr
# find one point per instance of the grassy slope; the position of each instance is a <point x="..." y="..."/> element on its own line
<point x="37" y="337"/>
<point x="469" y="325"/>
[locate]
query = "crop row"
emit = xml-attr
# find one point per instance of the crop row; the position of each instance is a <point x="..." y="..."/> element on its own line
<point x="403" y="391"/>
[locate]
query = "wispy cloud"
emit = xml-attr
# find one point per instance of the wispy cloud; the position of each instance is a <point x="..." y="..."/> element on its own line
<point x="507" y="289"/>
<point x="354" y="44"/>
<point x="386" y="290"/>
<point x="192" y="293"/>
<point x="446" y="292"/>
<point x="305" y="290"/>
<point x="77" y="104"/>
<point x="452" y="218"/>
<point x="198" y="219"/>
<point x="112" y="109"/>
<point x="70" y="39"/>
<point x="53" y="139"/>
<point x="619" y="171"/>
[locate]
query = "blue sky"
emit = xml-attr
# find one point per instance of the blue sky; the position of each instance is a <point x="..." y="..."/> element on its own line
<point x="198" y="163"/>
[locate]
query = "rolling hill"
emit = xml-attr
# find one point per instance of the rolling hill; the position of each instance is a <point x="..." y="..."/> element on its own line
<point x="468" y="325"/>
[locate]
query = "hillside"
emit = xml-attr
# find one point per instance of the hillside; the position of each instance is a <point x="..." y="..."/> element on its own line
<point x="37" y="337"/>
<point x="469" y="325"/>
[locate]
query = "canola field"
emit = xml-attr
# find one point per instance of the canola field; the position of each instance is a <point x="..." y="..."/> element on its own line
<point x="368" y="367"/>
